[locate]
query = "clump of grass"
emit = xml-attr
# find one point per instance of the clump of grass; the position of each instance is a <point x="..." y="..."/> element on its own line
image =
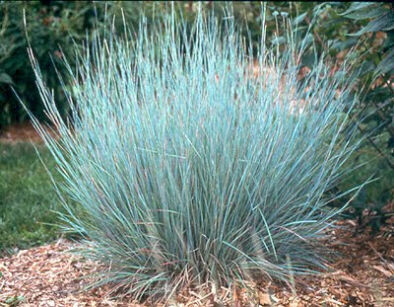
<point x="192" y="168"/>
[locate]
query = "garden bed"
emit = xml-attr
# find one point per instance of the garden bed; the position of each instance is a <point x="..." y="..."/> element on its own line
<point x="21" y="132"/>
<point x="362" y="276"/>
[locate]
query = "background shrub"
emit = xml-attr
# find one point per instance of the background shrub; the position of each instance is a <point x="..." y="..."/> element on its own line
<point x="48" y="28"/>
<point x="191" y="168"/>
<point x="366" y="29"/>
<point x="54" y="29"/>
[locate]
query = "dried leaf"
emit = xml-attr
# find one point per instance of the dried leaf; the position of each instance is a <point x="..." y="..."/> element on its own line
<point x="264" y="299"/>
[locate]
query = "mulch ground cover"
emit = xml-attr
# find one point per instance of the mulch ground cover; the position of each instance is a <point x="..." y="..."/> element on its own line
<point x="21" y="132"/>
<point x="362" y="276"/>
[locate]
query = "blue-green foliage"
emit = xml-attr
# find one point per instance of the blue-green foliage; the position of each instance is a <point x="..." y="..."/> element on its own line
<point x="190" y="167"/>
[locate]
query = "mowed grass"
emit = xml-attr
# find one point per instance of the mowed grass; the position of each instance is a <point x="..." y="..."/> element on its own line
<point x="27" y="198"/>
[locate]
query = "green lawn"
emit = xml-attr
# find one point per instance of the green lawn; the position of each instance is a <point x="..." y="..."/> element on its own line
<point x="27" y="198"/>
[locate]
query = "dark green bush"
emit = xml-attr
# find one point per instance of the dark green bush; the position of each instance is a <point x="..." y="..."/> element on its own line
<point x="369" y="35"/>
<point x="48" y="27"/>
<point x="54" y="29"/>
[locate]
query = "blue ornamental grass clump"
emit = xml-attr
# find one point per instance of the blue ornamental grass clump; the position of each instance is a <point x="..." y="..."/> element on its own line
<point x="190" y="167"/>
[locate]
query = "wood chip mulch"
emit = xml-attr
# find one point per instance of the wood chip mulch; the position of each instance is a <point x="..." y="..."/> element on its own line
<point x="50" y="276"/>
<point x="21" y="132"/>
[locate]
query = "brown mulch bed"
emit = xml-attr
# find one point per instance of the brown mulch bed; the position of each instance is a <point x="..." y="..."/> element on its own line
<point x="50" y="276"/>
<point x="21" y="132"/>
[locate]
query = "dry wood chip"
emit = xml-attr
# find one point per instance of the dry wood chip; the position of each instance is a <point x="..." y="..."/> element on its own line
<point x="363" y="276"/>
